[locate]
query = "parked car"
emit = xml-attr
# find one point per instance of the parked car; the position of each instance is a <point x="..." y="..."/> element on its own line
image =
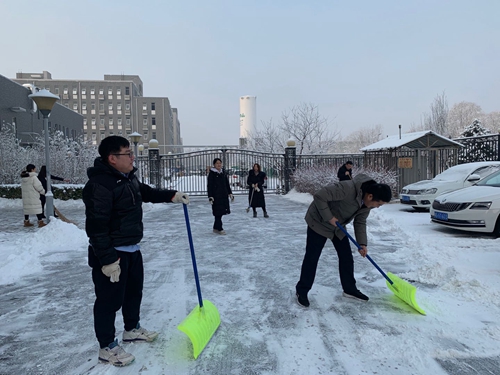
<point x="475" y="209"/>
<point x="420" y="195"/>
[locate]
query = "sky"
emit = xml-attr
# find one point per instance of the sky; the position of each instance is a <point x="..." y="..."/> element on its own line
<point x="362" y="63"/>
<point x="249" y="275"/>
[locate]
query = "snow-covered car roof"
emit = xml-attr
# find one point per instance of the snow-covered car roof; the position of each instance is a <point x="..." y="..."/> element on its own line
<point x="458" y="171"/>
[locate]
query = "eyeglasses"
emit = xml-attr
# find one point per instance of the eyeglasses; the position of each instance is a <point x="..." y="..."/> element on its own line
<point x="129" y="154"/>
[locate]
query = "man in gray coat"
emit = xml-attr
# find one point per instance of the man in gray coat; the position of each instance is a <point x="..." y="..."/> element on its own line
<point x="343" y="201"/>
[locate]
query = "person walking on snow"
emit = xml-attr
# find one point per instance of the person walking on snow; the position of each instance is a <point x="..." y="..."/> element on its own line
<point x="341" y="202"/>
<point x="345" y="171"/>
<point x="218" y="192"/>
<point x="31" y="189"/>
<point x="113" y="199"/>
<point x="255" y="180"/>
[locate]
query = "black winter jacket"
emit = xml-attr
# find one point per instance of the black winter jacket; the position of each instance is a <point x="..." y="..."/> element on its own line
<point x="218" y="188"/>
<point x="256" y="198"/>
<point x="341" y="173"/>
<point x="113" y="210"/>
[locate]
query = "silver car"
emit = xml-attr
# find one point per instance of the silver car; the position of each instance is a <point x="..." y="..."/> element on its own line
<point x="420" y="195"/>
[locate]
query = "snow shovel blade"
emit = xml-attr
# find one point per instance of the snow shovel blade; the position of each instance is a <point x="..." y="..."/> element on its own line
<point x="404" y="291"/>
<point x="200" y="325"/>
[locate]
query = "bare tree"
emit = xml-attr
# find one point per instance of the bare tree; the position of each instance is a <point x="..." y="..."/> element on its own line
<point x="492" y="121"/>
<point x="268" y="139"/>
<point x="303" y="123"/>
<point x="311" y="130"/>
<point x="359" y="139"/>
<point x="462" y="115"/>
<point x="436" y="119"/>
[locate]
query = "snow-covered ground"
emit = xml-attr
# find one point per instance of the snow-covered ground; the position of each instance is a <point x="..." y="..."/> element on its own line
<point x="46" y="298"/>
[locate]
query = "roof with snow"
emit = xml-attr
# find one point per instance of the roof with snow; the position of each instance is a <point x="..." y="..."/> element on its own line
<point x="426" y="139"/>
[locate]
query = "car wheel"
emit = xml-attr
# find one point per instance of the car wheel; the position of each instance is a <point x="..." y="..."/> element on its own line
<point x="496" y="231"/>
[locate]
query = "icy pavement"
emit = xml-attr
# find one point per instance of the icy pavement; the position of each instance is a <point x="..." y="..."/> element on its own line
<point x="46" y="324"/>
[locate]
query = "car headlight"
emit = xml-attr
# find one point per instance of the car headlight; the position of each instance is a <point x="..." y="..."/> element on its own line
<point x="404" y="191"/>
<point x="481" y="206"/>
<point x="427" y="191"/>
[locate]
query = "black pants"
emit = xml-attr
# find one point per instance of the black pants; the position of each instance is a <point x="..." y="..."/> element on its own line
<point x="38" y="216"/>
<point x="263" y="209"/>
<point x="314" y="246"/>
<point x="218" y="223"/>
<point x="110" y="297"/>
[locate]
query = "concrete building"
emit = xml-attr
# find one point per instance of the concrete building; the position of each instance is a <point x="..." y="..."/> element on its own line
<point x="115" y="105"/>
<point x="20" y="112"/>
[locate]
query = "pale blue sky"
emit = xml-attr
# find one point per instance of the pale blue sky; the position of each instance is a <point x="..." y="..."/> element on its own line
<point x="362" y="62"/>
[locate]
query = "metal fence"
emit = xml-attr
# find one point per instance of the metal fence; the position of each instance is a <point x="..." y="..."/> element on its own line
<point x="481" y="148"/>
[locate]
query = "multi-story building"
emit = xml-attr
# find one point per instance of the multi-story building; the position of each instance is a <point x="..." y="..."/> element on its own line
<point x="19" y="112"/>
<point x="115" y="105"/>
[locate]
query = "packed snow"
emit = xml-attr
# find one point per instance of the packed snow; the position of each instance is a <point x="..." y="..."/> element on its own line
<point x="46" y="324"/>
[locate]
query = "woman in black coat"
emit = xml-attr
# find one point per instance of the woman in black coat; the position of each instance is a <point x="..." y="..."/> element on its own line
<point x="42" y="176"/>
<point x="218" y="193"/>
<point x="255" y="181"/>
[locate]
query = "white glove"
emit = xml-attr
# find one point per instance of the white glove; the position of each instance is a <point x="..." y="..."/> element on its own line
<point x="256" y="188"/>
<point x="211" y="200"/>
<point x="112" y="271"/>
<point x="231" y="196"/>
<point x="180" y="197"/>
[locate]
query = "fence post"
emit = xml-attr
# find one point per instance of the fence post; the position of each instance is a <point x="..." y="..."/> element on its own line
<point x="290" y="164"/>
<point x="154" y="163"/>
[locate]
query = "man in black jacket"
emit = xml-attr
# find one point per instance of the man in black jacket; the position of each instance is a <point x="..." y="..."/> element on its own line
<point x="345" y="171"/>
<point x="113" y="199"/>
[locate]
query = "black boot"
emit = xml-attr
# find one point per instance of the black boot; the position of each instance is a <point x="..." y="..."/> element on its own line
<point x="265" y="214"/>
<point x="255" y="214"/>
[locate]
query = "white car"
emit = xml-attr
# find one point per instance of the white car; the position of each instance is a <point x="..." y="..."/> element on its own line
<point x="420" y="195"/>
<point x="475" y="209"/>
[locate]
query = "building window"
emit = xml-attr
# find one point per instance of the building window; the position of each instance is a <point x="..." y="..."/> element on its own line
<point x="119" y="106"/>
<point x="110" y="106"/>
<point x="85" y="121"/>
<point x="127" y="90"/>
<point x="84" y="91"/>
<point x="66" y="104"/>
<point x="127" y="106"/>
<point x="101" y="91"/>
<point x="92" y="91"/>
<point x="145" y="136"/>
<point x="127" y="121"/>
<point x="75" y="106"/>
<point x="110" y="90"/>
<point x="93" y="120"/>
<point x="118" y="91"/>
<point x="65" y="91"/>
<point x="75" y="91"/>
<point x="153" y="120"/>
<point x="145" y="121"/>
<point x="102" y="136"/>
<point x="57" y="90"/>
<point x="92" y="106"/>
<point x="153" y="135"/>
<point x="84" y="105"/>
<point x="102" y="122"/>
<point x="101" y="107"/>
<point x="144" y="107"/>
<point x="153" y="106"/>
<point x="119" y="121"/>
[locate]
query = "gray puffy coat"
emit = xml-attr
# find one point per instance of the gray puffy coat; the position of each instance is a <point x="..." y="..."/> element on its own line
<point x="342" y="200"/>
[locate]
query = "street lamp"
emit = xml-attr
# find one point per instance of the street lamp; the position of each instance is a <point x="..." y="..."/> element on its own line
<point x="135" y="138"/>
<point x="45" y="100"/>
<point x="141" y="149"/>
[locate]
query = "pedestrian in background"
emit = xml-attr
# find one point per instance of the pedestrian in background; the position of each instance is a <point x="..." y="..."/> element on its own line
<point x="256" y="180"/>
<point x="113" y="199"/>
<point x="345" y="171"/>
<point x="31" y="189"/>
<point x="42" y="176"/>
<point x="219" y="193"/>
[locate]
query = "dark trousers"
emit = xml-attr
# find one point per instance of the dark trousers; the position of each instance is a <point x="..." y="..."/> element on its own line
<point x="263" y="209"/>
<point x="110" y="297"/>
<point x="38" y="216"/>
<point x="218" y="223"/>
<point x="314" y="246"/>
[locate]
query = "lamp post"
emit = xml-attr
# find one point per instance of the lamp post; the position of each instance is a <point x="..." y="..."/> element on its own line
<point x="135" y="138"/>
<point x="45" y="100"/>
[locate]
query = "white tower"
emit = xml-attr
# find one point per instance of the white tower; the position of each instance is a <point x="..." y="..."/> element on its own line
<point x="248" y="117"/>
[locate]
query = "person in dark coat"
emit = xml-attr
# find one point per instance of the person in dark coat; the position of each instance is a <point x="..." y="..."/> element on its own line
<point x="219" y="191"/>
<point x="255" y="181"/>
<point x="345" y="171"/>
<point x="42" y="176"/>
<point x="113" y="198"/>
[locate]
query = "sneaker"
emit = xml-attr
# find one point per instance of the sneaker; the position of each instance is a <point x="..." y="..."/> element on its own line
<point x="115" y="355"/>
<point x="255" y="214"/>
<point x="220" y="231"/>
<point x="139" y="334"/>
<point x="265" y="214"/>
<point x="27" y="223"/>
<point x="302" y="301"/>
<point x="356" y="295"/>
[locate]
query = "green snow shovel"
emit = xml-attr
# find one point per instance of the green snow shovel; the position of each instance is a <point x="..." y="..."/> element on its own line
<point x="203" y="321"/>
<point x="401" y="288"/>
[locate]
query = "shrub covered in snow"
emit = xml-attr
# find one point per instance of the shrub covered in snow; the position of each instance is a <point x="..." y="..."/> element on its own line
<point x="311" y="179"/>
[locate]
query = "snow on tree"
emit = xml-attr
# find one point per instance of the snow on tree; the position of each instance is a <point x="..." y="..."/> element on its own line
<point x="476" y="149"/>
<point x="461" y="115"/>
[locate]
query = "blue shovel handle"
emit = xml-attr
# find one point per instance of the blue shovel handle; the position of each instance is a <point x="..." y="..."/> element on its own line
<point x="193" y="258"/>
<point x="359" y="248"/>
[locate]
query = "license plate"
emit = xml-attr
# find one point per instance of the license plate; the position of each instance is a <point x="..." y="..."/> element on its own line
<point x="441" y="216"/>
<point x="405" y="198"/>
